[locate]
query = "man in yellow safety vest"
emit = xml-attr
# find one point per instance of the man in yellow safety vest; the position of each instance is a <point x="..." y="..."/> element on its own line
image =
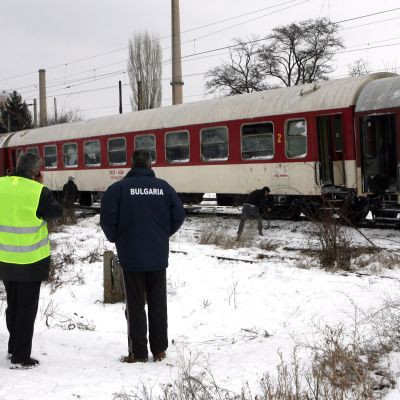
<point x="25" y="206"/>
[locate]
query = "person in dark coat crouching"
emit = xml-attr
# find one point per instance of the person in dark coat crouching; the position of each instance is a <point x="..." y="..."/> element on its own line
<point x="25" y="206"/>
<point x="139" y="214"/>
<point x="256" y="205"/>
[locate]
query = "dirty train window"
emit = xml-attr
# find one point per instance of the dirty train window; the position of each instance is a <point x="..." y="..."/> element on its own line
<point x="258" y="141"/>
<point x="214" y="144"/>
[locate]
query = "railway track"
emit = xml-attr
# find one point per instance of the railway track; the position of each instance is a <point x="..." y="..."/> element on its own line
<point x="213" y="210"/>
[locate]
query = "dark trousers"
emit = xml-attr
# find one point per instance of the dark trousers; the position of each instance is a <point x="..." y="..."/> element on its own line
<point x="250" y="211"/>
<point x="150" y="286"/>
<point x="22" y="306"/>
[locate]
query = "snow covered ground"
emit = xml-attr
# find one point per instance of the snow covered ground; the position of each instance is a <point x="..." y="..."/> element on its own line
<point x="230" y="309"/>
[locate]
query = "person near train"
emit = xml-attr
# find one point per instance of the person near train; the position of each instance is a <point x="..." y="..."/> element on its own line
<point x="139" y="214"/>
<point x="258" y="204"/>
<point x="25" y="206"/>
<point x="70" y="193"/>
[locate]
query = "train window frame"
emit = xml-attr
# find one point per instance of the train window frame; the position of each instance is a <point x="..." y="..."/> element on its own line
<point x="304" y="155"/>
<point x="153" y="161"/>
<point x="273" y="141"/>
<point x="108" y="151"/>
<point x="201" y="143"/>
<point x="188" y="145"/>
<point x="44" y="156"/>
<point x="36" y="148"/>
<point x="18" y="152"/>
<point x="97" y="164"/>
<point x="77" y="155"/>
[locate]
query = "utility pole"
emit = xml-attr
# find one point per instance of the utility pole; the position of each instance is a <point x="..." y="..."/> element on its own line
<point x="34" y="113"/>
<point x="177" y="82"/>
<point x="34" y="104"/>
<point x="120" y="96"/>
<point x="55" y="110"/>
<point x="42" y="94"/>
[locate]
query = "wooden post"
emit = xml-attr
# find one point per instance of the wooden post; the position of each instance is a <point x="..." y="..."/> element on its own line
<point x="113" y="281"/>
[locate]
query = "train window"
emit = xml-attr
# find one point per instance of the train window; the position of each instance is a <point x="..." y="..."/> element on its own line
<point x="258" y="141"/>
<point x="33" y="150"/>
<point x="50" y="156"/>
<point x="337" y="131"/>
<point x="296" y="138"/>
<point x="177" y="146"/>
<point x="147" y="142"/>
<point x="116" y="149"/>
<point x="214" y="144"/>
<point x="70" y="154"/>
<point x="92" y="153"/>
<point x="371" y="143"/>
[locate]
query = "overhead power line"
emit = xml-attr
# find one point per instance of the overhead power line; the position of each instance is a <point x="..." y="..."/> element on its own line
<point x="165" y="37"/>
<point x="367" y="15"/>
<point x="203" y="26"/>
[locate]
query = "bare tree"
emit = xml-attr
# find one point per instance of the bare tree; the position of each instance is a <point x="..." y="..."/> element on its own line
<point x="71" y="115"/>
<point x="242" y="74"/>
<point x="144" y="69"/>
<point x="294" y="54"/>
<point x="301" y="53"/>
<point x="358" y="67"/>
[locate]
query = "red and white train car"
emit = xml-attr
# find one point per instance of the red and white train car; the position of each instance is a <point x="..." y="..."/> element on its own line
<point x="301" y="141"/>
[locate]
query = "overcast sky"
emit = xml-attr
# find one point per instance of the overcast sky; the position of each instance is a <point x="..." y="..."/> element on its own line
<point x="60" y="36"/>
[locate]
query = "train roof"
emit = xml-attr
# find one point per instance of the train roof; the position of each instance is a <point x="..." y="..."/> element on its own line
<point x="324" y="95"/>
<point x="3" y="138"/>
<point x="380" y="94"/>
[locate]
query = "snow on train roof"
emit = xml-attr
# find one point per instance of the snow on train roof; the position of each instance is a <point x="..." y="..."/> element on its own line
<point x="321" y="96"/>
<point x="383" y="93"/>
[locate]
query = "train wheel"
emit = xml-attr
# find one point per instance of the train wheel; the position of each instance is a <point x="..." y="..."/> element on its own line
<point x="224" y="199"/>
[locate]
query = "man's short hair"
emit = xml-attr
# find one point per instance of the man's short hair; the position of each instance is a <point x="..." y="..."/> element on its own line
<point x="266" y="189"/>
<point x="28" y="164"/>
<point x="141" y="159"/>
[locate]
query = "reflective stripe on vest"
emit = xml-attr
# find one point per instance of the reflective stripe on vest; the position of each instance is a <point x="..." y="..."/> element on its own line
<point x="13" y="229"/>
<point x="23" y="236"/>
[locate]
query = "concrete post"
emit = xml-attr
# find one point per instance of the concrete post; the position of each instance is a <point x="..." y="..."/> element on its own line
<point x="55" y="110"/>
<point x="113" y="280"/>
<point x="42" y="97"/>
<point x="35" y="113"/>
<point x="177" y="82"/>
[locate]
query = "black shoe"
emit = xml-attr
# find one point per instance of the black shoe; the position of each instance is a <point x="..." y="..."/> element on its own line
<point x="24" y="364"/>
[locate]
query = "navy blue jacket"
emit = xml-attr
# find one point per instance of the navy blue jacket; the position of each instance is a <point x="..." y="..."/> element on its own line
<point x="139" y="214"/>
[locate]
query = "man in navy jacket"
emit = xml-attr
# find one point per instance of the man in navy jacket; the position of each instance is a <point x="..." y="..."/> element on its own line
<point x="139" y="214"/>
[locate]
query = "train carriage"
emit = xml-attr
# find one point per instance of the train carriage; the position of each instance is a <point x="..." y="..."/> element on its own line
<point x="378" y="138"/>
<point x="301" y="141"/>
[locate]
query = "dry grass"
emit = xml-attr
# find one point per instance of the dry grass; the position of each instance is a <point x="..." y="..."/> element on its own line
<point x="344" y="364"/>
<point x="333" y="240"/>
<point x="221" y="238"/>
<point x="68" y="218"/>
<point x="60" y="273"/>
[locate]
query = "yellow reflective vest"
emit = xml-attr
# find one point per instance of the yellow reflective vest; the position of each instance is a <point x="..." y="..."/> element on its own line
<point x="23" y="236"/>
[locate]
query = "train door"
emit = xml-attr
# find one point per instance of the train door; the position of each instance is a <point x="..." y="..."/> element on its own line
<point x="330" y="150"/>
<point x="2" y="162"/>
<point x="379" y="148"/>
